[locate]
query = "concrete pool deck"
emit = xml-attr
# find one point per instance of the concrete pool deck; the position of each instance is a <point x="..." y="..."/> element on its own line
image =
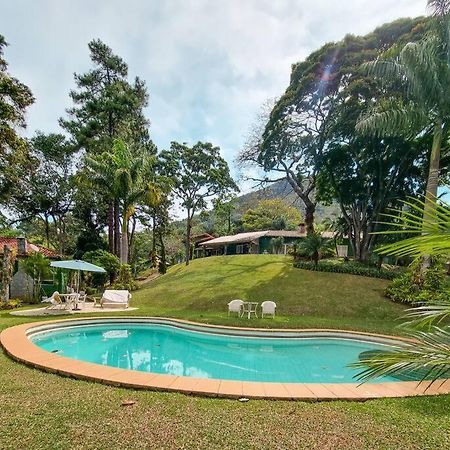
<point x="17" y="344"/>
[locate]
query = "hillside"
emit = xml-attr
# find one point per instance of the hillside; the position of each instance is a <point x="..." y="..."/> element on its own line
<point x="201" y="291"/>
<point x="282" y="189"/>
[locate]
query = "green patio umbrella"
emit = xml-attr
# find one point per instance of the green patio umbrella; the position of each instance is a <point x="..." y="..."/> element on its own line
<point x="79" y="266"/>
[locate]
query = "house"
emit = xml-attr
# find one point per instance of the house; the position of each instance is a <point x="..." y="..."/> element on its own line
<point x="196" y="241"/>
<point x="255" y="242"/>
<point x="22" y="284"/>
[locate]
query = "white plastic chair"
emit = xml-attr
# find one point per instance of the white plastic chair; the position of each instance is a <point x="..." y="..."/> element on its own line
<point x="235" y="306"/>
<point x="55" y="301"/>
<point x="82" y="299"/>
<point x="268" y="308"/>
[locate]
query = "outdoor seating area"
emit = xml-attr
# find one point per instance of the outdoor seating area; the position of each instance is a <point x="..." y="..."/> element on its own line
<point x="249" y="309"/>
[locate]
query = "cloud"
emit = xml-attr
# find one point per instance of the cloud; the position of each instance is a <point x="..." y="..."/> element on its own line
<point x="209" y="64"/>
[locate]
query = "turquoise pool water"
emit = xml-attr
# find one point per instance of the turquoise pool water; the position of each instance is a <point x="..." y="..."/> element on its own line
<point x="166" y="349"/>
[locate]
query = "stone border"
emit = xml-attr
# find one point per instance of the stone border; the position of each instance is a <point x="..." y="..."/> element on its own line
<point x="16" y="343"/>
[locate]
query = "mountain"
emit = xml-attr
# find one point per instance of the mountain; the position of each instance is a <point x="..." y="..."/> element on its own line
<point x="282" y="189"/>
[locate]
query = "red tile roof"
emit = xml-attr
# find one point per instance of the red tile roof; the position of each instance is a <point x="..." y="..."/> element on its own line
<point x="13" y="244"/>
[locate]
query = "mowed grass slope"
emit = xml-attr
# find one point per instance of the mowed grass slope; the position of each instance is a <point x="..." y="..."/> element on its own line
<point x="201" y="291"/>
<point x="45" y="411"/>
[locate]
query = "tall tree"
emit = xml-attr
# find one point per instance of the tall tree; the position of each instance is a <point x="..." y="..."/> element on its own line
<point x="108" y="107"/>
<point x="199" y="173"/>
<point x="273" y="214"/>
<point x="15" y="98"/>
<point x="46" y="189"/>
<point x="128" y="175"/>
<point x="302" y="132"/>
<point x="422" y="69"/>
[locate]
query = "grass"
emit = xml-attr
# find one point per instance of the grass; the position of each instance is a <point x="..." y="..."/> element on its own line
<point x="41" y="410"/>
<point x="305" y="299"/>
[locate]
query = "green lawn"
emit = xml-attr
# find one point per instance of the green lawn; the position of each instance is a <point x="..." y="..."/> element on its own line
<point x="40" y="410"/>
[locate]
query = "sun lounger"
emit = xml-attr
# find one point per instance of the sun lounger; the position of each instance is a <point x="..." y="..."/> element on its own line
<point x="115" y="298"/>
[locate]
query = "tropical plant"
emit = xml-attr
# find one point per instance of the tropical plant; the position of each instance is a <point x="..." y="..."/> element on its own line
<point x="314" y="247"/>
<point x="37" y="266"/>
<point x="429" y="354"/>
<point x="125" y="279"/>
<point x="102" y="258"/>
<point x="422" y="69"/>
<point x="277" y="244"/>
<point x="127" y="176"/>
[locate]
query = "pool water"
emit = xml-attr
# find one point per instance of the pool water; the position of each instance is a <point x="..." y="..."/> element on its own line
<point x="166" y="349"/>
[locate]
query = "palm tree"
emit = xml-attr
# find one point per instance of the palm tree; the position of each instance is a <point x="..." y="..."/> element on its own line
<point x="314" y="246"/>
<point x="422" y="69"/>
<point x="133" y="185"/>
<point x="429" y="355"/>
<point x="128" y="180"/>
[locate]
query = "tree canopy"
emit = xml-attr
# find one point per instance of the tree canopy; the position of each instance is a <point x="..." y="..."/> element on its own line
<point x="274" y="214"/>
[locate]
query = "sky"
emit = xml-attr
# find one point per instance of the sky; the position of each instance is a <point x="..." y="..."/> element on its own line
<point x="209" y="65"/>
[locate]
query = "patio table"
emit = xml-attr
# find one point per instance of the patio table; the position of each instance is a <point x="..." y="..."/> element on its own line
<point x="250" y="308"/>
<point x="70" y="300"/>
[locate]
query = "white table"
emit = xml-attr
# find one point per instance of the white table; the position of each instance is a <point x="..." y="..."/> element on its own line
<point x="70" y="300"/>
<point x="250" y="308"/>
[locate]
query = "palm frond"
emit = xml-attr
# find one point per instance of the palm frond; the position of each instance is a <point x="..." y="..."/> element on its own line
<point x="433" y="313"/>
<point x="428" y="358"/>
<point x="392" y="119"/>
<point x="432" y="228"/>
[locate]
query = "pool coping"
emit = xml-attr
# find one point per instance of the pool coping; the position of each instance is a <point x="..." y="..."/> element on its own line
<point x="16" y="343"/>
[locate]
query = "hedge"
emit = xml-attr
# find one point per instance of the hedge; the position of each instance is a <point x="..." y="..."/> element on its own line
<point x="353" y="269"/>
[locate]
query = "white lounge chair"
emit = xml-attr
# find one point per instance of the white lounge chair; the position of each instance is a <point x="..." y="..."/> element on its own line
<point x="114" y="298"/>
<point x="268" y="308"/>
<point x="235" y="306"/>
<point x="55" y="301"/>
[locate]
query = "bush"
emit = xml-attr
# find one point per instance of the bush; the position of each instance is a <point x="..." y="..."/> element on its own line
<point x="11" y="304"/>
<point x="108" y="261"/>
<point x="125" y="279"/>
<point x="417" y="286"/>
<point x="352" y="269"/>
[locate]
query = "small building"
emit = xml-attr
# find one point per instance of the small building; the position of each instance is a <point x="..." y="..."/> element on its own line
<point x="22" y="284"/>
<point x="255" y="242"/>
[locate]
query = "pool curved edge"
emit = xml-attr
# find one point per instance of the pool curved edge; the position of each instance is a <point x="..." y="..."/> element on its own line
<point x="16" y="343"/>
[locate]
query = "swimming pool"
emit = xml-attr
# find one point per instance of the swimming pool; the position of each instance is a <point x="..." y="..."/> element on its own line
<point x="210" y="353"/>
<point x="176" y="355"/>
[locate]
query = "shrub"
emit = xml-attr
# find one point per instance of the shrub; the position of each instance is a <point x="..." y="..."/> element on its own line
<point x="108" y="261"/>
<point x="315" y="247"/>
<point x="11" y="304"/>
<point x="352" y="269"/>
<point x="125" y="279"/>
<point x="418" y="286"/>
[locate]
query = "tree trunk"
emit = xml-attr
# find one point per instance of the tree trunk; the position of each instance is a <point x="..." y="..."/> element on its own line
<point x="130" y="241"/>
<point x="111" y="227"/>
<point x="47" y="231"/>
<point x="188" y="238"/>
<point x="162" y="262"/>
<point x="124" y="241"/>
<point x="309" y="217"/>
<point x="117" y="228"/>
<point x="433" y="181"/>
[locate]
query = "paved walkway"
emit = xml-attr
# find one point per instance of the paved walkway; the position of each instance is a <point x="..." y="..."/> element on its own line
<point x="88" y="308"/>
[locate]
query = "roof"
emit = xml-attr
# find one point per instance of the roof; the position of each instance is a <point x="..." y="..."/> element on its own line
<point x="255" y="235"/>
<point x="201" y="237"/>
<point x="13" y="244"/>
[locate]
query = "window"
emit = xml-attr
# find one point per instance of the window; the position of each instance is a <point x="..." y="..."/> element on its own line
<point x="239" y="248"/>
